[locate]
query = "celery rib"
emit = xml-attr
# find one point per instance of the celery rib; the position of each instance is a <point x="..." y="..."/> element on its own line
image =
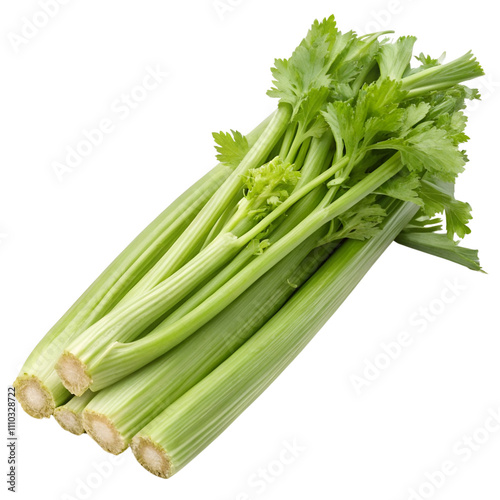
<point x="69" y="415"/>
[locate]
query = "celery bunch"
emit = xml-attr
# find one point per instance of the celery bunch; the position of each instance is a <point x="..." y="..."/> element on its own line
<point x="209" y="305"/>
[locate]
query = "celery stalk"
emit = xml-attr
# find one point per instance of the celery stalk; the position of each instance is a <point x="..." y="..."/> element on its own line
<point x="69" y="415"/>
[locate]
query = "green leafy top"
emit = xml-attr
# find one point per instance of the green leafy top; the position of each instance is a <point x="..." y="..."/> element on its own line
<point x="426" y="131"/>
<point x="307" y="70"/>
<point x="231" y="147"/>
<point x="325" y="65"/>
<point x="427" y="148"/>
<point x="376" y="106"/>
<point x="357" y="123"/>
<point x="432" y="147"/>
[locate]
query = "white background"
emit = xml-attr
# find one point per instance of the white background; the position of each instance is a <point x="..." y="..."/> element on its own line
<point x="58" y="236"/>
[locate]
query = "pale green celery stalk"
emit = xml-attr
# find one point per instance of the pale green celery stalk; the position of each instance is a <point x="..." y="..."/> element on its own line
<point x="129" y="319"/>
<point x="223" y="219"/>
<point x="442" y="76"/>
<point x="294" y="141"/>
<point x="298" y="141"/>
<point x="191" y="423"/>
<point x="440" y="245"/>
<point x="302" y="153"/>
<point x="118" y="412"/>
<point x="288" y="139"/>
<point x="119" y="359"/>
<point x="224" y="275"/>
<point x="38" y="388"/>
<point x="191" y="241"/>
<point x="69" y="415"/>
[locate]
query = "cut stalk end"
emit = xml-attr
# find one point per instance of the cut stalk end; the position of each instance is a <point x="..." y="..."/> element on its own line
<point x="34" y="398"/>
<point x="152" y="456"/>
<point x="102" y="430"/>
<point x="73" y="374"/>
<point x="69" y="421"/>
